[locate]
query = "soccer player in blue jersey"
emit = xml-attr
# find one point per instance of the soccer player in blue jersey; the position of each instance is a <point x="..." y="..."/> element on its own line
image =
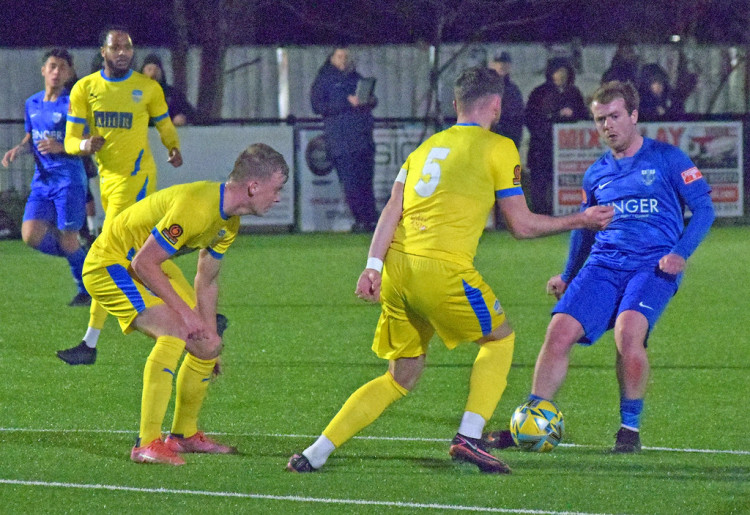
<point x="117" y="104"/>
<point x="56" y="207"/>
<point x="622" y="278"/>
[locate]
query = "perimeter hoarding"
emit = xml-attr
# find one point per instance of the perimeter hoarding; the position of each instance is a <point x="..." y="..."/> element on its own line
<point x="715" y="148"/>
<point x="321" y="202"/>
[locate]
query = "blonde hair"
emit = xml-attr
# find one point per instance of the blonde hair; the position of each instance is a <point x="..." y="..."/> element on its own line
<point x="258" y="161"/>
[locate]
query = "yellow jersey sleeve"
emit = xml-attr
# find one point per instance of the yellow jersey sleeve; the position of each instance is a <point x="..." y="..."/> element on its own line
<point x="194" y="219"/>
<point x="159" y="114"/>
<point x="78" y="117"/>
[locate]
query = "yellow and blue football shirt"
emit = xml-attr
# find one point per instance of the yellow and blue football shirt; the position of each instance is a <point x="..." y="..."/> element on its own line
<point x="182" y="218"/>
<point x="119" y="110"/>
<point x="452" y="181"/>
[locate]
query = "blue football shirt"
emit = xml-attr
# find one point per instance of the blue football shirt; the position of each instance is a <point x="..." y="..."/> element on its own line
<point x="47" y="120"/>
<point x="649" y="192"/>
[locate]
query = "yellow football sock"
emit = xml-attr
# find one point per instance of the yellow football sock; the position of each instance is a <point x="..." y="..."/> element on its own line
<point x="192" y="383"/>
<point x="363" y="407"/>
<point x="97" y="315"/>
<point x="157" y="385"/>
<point x="489" y="376"/>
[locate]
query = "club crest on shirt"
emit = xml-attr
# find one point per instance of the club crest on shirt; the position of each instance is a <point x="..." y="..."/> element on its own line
<point x="517" y="175"/>
<point x="171" y="233"/>
<point x="218" y="237"/>
<point x="56" y="117"/>
<point x="648" y="176"/>
<point x="137" y="95"/>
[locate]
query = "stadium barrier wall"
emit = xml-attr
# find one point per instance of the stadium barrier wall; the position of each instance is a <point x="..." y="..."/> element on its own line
<point x="312" y="199"/>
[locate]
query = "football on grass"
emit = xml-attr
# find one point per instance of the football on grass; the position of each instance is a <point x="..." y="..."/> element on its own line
<point x="537" y="426"/>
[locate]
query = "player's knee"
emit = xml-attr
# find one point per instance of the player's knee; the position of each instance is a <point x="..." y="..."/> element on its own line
<point x="207" y="348"/>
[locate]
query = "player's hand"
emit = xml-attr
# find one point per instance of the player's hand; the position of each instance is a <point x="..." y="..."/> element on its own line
<point x="195" y="326"/>
<point x="93" y="144"/>
<point x="597" y="218"/>
<point x="368" y="285"/>
<point x="672" y="264"/>
<point x="556" y="286"/>
<point x="175" y="158"/>
<point x="353" y="100"/>
<point x="11" y="155"/>
<point x="50" y="146"/>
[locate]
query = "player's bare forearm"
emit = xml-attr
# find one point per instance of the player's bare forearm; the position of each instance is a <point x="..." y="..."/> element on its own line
<point x="16" y="151"/>
<point x="389" y="219"/>
<point x="147" y="266"/>
<point x="206" y="285"/>
<point x="522" y="223"/>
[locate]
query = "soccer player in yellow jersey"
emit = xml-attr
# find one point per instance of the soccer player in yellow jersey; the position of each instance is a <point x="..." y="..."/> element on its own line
<point x="428" y="235"/>
<point x="116" y="104"/>
<point x="125" y="272"/>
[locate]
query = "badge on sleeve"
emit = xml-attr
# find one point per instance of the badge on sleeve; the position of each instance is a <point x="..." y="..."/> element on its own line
<point x="171" y="233"/>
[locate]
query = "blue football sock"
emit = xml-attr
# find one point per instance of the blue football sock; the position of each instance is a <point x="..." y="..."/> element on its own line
<point x="50" y="245"/>
<point x="75" y="260"/>
<point x="630" y="412"/>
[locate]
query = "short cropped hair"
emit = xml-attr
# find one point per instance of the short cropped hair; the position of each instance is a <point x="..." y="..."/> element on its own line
<point x="615" y="89"/>
<point x="111" y="28"/>
<point x="475" y="83"/>
<point x="59" y="53"/>
<point x="258" y="161"/>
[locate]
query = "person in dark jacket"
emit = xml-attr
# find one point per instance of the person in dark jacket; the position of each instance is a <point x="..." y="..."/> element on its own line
<point x="656" y="94"/>
<point x="348" y="125"/>
<point x="180" y="109"/>
<point x="625" y="63"/>
<point x="511" y="114"/>
<point x="557" y="100"/>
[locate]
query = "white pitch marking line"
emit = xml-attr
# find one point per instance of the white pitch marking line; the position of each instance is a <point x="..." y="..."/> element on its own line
<point x="379" y="438"/>
<point x="292" y="498"/>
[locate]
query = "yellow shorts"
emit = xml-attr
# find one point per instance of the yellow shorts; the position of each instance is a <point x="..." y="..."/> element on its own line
<point x="421" y="296"/>
<point x="123" y="295"/>
<point x="120" y="192"/>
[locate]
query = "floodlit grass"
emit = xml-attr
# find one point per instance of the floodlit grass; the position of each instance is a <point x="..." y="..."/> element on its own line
<point x="298" y="345"/>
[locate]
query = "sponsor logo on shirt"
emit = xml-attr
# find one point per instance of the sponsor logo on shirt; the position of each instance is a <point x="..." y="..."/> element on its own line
<point x="691" y="175"/>
<point x="648" y="176"/>
<point x="517" y="175"/>
<point x="113" y="120"/>
<point x="38" y="135"/>
<point x="171" y="233"/>
<point x="635" y="206"/>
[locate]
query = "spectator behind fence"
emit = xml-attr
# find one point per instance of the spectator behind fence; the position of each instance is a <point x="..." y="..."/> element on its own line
<point x="558" y="99"/>
<point x="348" y="134"/>
<point x="180" y="109"/>
<point x="511" y="114"/>
<point x="625" y="64"/>
<point x="656" y="94"/>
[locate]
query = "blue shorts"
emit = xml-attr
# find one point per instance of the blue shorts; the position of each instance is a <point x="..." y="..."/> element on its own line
<point x="597" y="296"/>
<point x="60" y="203"/>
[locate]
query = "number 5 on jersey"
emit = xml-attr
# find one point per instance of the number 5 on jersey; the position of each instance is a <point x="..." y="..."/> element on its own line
<point x="430" y="177"/>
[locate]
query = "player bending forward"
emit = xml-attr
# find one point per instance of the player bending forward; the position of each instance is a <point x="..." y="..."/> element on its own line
<point x="125" y="271"/>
